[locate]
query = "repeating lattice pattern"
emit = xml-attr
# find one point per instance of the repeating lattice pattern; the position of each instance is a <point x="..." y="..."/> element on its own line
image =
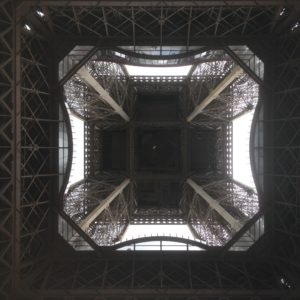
<point x="172" y="272"/>
<point x="160" y="24"/>
<point x="207" y="224"/>
<point x="81" y="200"/>
<point x="7" y="154"/>
<point x="283" y="177"/>
<point x="26" y="151"/>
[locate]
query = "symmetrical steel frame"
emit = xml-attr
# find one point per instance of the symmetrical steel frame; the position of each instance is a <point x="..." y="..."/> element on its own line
<point x="34" y="262"/>
<point x="105" y="72"/>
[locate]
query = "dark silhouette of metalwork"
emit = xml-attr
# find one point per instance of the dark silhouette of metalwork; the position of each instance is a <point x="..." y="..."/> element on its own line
<point x="35" y="261"/>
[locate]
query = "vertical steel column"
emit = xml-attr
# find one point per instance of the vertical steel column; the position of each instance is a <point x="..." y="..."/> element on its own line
<point x="16" y="147"/>
<point x="8" y="225"/>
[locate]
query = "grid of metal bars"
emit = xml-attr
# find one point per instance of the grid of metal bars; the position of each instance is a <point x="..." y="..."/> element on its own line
<point x="7" y="148"/>
<point x="25" y="221"/>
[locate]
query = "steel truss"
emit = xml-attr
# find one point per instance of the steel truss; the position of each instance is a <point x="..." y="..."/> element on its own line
<point x="158" y="216"/>
<point x="218" y="102"/>
<point x="34" y="262"/>
<point x="282" y="112"/>
<point x="222" y="152"/>
<point x="216" y="209"/>
<point x="156" y="84"/>
<point x="27" y="136"/>
<point x="100" y="207"/>
<point x="9" y="139"/>
<point x="164" y="275"/>
<point x="93" y="151"/>
<point x="84" y="100"/>
<point x="157" y="25"/>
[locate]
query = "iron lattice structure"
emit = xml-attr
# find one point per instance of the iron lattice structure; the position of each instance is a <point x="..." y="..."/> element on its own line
<point x="228" y="105"/>
<point x="107" y="227"/>
<point x="206" y="223"/>
<point x="35" y="263"/>
<point x="84" y="102"/>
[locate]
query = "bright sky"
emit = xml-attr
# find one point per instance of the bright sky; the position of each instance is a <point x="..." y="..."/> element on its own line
<point x="136" y="231"/>
<point x="139" y="231"/>
<point x="157" y="71"/>
<point x="77" y="170"/>
<point x="241" y="155"/>
<point x="156" y="246"/>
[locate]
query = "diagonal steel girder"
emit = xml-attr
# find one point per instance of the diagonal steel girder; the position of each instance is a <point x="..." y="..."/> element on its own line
<point x="234" y="223"/>
<point x="85" y="223"/>
<point x="227" y="80"/>
<point x="84" y="74"/>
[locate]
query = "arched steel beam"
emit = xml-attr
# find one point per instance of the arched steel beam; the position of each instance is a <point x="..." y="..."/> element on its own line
<point x="160" y="238"/>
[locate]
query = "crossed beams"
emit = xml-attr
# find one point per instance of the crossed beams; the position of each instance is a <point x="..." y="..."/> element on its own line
<point x="100" y="207"/>
<point x="85" y="223"/>
<point x="235" y="73"/>
<point x="98" y="71"/>
<point x="159" y="24"/>
<point x="234" y="223"/>
<point x="104" y="95"/>
<point x="284" y="184"/>
<point x="201" y="204"/>
<point x="8" y="138"/>
<point x="283" y="154"/>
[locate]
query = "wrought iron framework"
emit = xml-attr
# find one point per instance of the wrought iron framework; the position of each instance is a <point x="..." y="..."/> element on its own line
<point x="217" y="209"/>
<point x="100" y="208"/>
<point x="214" y="76"/>
<point x="8" y="151"/>
<point x="98" y="91"/>
<point x="34" y="262"/>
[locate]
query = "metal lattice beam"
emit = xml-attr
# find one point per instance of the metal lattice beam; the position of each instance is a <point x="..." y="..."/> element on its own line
<point x="235" y="224"/>
<point x="70" y="276"/>
<point x="85" y="223"/>
<point x="100" y="207"/>
<point x="164" y="25"/>
<point x="198" y="272"/>
<point x="104" y="96"/>
<point x="234" y="73"/>
<point x="282" y="154"/>
<point x="118" y="3"/>
<point x="8" y="151"/>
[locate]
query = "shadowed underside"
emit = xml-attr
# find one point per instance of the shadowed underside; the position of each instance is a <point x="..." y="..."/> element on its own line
<point x="36" y="262"/>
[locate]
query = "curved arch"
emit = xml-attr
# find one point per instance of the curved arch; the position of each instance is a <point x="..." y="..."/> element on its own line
<point x="181" y="59"/>
<point x="171" y="56"/>
<point x="254" y="151"/>
<point x="160" y="238"/>
<point x="70" y="147"/>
